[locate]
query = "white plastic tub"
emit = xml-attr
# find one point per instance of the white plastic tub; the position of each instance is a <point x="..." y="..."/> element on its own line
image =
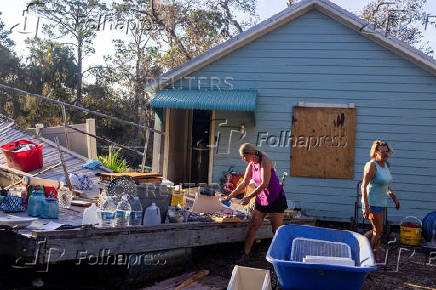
<point x="245" y="278"/>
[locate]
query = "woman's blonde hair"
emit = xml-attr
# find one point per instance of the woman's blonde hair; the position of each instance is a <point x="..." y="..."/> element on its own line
<point x="375" y="146"/>
<point x="248" y="148"/>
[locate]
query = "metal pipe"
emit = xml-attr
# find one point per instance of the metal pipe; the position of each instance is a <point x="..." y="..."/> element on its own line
<point x="82" y="109"/>
<point x="105" y="140"/>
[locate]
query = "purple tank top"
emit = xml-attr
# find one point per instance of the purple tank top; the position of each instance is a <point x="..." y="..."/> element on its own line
<point x="274" y="189"/>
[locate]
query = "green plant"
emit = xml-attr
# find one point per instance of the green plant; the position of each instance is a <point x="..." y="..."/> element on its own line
<point x="113" y="161"/>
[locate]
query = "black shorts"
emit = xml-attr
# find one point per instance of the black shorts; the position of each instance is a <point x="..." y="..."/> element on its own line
<point x="278" y="206"/>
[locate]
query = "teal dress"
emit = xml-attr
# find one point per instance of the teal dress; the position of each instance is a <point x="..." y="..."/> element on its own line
<point x="377" y="189"/>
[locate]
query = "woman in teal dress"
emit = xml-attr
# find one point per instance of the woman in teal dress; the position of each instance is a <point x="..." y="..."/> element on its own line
<point x="375" y="188"/>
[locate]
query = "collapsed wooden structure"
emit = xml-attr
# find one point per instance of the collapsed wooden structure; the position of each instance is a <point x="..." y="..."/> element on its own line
<point x="75" y="242"/>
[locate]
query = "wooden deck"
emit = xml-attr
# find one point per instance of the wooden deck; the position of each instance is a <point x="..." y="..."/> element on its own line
<point x="72" y="244"/>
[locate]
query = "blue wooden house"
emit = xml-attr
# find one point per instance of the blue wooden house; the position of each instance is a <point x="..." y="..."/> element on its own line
<point x="312" y="54"/>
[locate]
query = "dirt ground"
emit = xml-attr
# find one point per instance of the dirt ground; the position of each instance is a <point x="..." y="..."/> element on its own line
<point x="414" y="271"/>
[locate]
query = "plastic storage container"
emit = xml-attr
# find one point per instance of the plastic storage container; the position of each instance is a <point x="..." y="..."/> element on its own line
<point x="302" y="247"/>
<point x="23" y="160"/>
<point x="299" y="275"/>
<point x="429" y="225"/>
<point x="245" y="278"/>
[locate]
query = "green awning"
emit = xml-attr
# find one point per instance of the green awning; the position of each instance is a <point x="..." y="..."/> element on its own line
<point x="220" y="100"/>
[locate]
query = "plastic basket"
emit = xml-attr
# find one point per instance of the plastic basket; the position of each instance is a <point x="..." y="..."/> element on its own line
<point x="302" y="247"/>
<point x="298" y="275"/>
<point x="25" y="160"/>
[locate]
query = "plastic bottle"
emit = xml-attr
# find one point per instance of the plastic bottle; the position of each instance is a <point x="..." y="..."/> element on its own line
<point x="152" y="216"/>
<point x="107" y="213"/>
<point x="136" y="213"/>
<point x="90" y="216"/>
<point x="122" y="213"/>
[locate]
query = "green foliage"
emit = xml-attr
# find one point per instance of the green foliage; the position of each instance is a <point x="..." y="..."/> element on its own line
<point x="402" y="19"/>
<point x="5" y="41"/>
<point x="113" y="161"/>
<point x="161" y="38"/>
<point x="50" y="71"/>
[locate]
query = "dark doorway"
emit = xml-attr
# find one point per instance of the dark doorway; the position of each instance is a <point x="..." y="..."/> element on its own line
<point x="200" y="146"/>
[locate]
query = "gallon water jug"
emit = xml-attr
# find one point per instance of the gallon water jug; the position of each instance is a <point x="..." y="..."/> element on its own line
<point x="90" y="216"/>
<point x="122" y="214"/>
<point x="152" y="216"/>
<point x="108" y="213"/>
<point x="136" y="213"/>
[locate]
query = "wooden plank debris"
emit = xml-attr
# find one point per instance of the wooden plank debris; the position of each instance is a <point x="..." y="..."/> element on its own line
<point x="140" y="177"/>
<point x="81" y="203"/>
<point x="193" y="279"/>
<point x="206" y="282"/>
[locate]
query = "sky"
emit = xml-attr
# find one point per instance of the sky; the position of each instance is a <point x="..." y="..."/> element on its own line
<point x="12" y="16"/>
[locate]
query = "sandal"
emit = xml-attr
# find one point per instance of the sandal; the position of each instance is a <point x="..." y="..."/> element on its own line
<point x="380" y="263"/>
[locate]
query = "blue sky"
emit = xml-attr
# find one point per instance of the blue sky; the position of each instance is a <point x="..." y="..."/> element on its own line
<point x="12" y="15"/>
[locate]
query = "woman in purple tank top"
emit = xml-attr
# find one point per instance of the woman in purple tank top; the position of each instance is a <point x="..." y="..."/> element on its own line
<point x="269" y="194"/>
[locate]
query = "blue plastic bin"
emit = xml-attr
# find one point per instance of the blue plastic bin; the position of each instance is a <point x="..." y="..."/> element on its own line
<point x="299" y="275"/>
<point x="428" y="225"/>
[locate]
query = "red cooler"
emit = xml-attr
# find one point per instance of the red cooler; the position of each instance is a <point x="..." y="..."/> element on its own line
<point x="25" y="160"/>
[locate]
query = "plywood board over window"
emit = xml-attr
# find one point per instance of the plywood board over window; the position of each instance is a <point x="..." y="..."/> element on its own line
<point x="322" y="142"/>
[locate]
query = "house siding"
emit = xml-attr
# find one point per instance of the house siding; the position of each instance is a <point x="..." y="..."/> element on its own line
<point x="316" y="59"/>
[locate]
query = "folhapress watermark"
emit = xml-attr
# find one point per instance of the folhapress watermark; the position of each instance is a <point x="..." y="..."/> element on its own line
<point x="286" y="139"/>
<point x="106" y="258"/>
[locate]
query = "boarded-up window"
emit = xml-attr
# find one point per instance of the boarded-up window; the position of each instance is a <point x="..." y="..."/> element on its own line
<point x="322" y="142"/>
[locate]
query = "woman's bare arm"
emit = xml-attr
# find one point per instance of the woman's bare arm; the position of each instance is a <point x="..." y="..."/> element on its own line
<point x="243" y="184"/>
<point x="266" y="177"/>
<point x="368" y="175"/>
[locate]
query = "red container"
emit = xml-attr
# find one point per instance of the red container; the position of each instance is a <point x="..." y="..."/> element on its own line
<point x="26" y="160"/>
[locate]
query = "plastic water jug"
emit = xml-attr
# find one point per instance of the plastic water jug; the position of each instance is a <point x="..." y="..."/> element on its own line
<point x="136" y="213"/>
<point x="90" y="216"/>
<point x="152" y="216"/>
<point x="108" y="213"/>
<point x="122" y="214"/>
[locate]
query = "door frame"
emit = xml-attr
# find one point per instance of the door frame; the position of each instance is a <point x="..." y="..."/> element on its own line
<point x="188" y="141"/>
<point x="211" y="146"/>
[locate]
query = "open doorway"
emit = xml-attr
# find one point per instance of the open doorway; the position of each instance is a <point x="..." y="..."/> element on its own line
<point x="200" y="146"/>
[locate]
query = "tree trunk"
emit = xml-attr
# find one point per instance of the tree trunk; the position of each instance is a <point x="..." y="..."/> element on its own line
<point x="79" y="71"/>
<point x="138" y="95"/>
